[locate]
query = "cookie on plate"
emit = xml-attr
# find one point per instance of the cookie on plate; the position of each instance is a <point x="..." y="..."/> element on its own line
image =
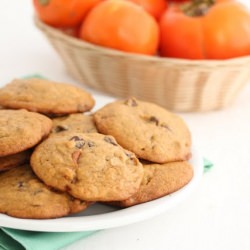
<point x="43" y="96"/>
<point x="12" y="161"/>
<point x="88" y="166"/>
<point x="148" y="130"/>
<point x="21" y="130"/>
<point x="79" y="123"/>
<point x="23" y="195"/>
<point x="159" y="180"/>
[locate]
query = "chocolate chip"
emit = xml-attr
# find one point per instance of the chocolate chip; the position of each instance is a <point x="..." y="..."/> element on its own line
<point x="79" y="144"/>
<point x="110" y="140"/>
<point x="91" y="144"/>
<point x="76" y="138"/>
<point x="154" y="119"/>
<point x="79" y="141"/>
<point x="131" y="102"/>
<point x="60" y="128"/>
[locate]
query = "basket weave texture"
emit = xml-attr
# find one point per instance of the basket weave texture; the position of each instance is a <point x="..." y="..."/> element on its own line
<point x="176" y="84"/>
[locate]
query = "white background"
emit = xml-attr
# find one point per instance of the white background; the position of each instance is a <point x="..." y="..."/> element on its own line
<point x="216" y="216"/>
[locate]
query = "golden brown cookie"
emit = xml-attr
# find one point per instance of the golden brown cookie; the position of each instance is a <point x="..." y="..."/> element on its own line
<point x="146" y="129"/>
<point x="79" y="123"/>
<point x="12" y="161"/>
<point x="89" y="166"/>
<point x="21" y="130"/>
<point x="23" y="195"/>
<point x="43" y="96"/>
<point x="159" y="180"/>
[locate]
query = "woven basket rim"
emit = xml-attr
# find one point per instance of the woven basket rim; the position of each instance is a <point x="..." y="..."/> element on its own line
<point x="109" y="51"/>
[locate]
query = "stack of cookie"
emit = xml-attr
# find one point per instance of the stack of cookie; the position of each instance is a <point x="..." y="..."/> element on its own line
<point x="20" y="130"/>
<point x="126" y="153"/>
<point x="27" y="106"/>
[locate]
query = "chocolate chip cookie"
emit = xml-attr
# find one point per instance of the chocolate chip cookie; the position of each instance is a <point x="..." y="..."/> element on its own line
<point x="21" y="130"/>
<point x="159" y="180"/>
<point x="79" y="123"/>
<point x="88" y="166"/>
<point x="43" y="96"/>
<point x="148" y="130"/>
<point x="23" y="195"/>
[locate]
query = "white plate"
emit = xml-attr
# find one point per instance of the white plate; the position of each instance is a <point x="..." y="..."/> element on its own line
<point x="101" y="216"/>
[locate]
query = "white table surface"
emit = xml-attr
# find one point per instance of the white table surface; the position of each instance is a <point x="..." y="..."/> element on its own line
<point x="216" y="216"/>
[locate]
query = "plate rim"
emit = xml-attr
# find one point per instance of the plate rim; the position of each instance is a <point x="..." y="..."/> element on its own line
<point x="117" y="218"/>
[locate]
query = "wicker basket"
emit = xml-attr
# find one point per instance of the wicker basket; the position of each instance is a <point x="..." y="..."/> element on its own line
<point x="176" y="84"/>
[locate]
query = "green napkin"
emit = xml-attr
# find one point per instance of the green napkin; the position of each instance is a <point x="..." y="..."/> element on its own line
<point x="34" y="76"/>
<point x="12" y="239"/>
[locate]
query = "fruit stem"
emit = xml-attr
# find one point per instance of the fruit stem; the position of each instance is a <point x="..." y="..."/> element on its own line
<point x="43" y="2"/>
<point x="197" y="7"/>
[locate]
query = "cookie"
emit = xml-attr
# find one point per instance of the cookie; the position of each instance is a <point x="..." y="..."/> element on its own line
<point x="21" y="130"/>
<point x="43" y="96"/>
<point x="12" y="161"/>
<point x="78" y="123"/>
<point x="23" y="195"/>
<point x="88" y="166"/>
<point x="148" y="130"/>
<point x="159" y="180"/>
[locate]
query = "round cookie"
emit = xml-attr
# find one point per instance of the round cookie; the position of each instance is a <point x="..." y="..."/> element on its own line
<point x="159" y="180"/>
<point x="21" y="130"/>
<point x="23" y="195"/>
<point x="12" y="161"/>
<point x="89" y="166"/>
<point x="43" y="96"/>
<point x="148" y="130"/>
<point x="78" y="123"/>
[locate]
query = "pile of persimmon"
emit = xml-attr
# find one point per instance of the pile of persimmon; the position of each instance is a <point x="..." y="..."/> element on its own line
<point x="191" y="29"/>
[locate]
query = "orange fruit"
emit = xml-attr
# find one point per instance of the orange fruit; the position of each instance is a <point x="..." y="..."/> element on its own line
<point x="63" y="13"/>
<point x="121" y="25"/>
<point x="153" y="7"/>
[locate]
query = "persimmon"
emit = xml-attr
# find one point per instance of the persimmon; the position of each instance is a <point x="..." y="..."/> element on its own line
<point x="153" y="7"/>
<point x="63" y="13"/>
<point x="121" y="25"/>
<point x="205" y="29"/>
